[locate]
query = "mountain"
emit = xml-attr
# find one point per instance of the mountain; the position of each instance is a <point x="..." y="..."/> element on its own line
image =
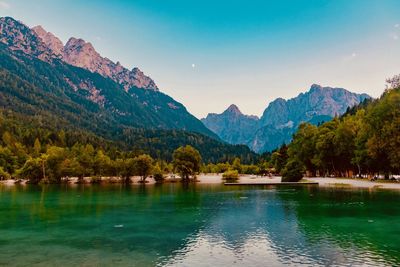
<point x="82" y="54"/>
<point x="39" y="86"/>
<point x="18" y="37"/>
<point x="318" y="101"/>
<point x="282" y="117"/>
<point x="232" y="125"/>
<point x="50" y="40"/>
<point x="134" y="101"/>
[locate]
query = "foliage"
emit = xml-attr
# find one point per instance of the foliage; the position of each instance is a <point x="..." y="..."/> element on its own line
<point x="143" y="166"/>
<point x="293" y="171"/>
<point x="3" y="174"/>
<point x="44" y="104"/>
<point x="236" y="165"/>
<point x="230" y="175"/>
<point x="32" y="170"/>
<point x="186" y="161"/>
<point x="363" y="141"/>
<point x="279" y="158"/>
<point x="158" y="175"/>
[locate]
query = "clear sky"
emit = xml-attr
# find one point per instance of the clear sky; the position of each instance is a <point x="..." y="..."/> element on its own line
<point x="209" y="54"/>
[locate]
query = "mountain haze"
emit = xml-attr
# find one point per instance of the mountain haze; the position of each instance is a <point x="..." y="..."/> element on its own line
<point x="282" y="117"/>
<point x="232" y="125"/>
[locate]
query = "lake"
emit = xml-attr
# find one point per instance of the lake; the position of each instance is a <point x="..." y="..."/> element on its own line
<point x="198" y="225"/>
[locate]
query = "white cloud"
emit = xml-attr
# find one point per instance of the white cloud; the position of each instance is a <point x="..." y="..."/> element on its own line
<point x="397" y="25"/>
<point x="4" y="5"/>
<point x="193" y="65"/>
<point x="353" y="54"/>
<point x="394" y="36"/>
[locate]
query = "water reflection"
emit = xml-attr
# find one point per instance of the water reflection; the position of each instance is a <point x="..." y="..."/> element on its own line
<point x="284" y="227"/>
<point x="198" y="225"/>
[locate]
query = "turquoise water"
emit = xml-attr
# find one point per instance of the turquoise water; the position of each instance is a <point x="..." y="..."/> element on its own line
<point x="198" y="225"/>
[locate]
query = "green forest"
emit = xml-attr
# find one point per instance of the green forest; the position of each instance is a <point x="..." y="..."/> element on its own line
<point x="27" y="142"/>
<point x="365" y="141"/>
<point x="362" y="142"/>
<point x="47" y="127"/>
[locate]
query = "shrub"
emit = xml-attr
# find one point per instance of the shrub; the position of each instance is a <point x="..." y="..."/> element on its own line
<point x="32" y="170"/>
<point x="293" y="172"/>
<point x="3" y="174"/>
<point x="158" y="174"/>
<point x="230" y="175"/>
<point x="95" y="179"/>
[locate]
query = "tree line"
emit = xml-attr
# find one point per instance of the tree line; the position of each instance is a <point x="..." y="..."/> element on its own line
<point x="37" y="101"/>
<point x="36" y="150"/>
<point x="51" y="163"/>
<point x="365" y="141"/>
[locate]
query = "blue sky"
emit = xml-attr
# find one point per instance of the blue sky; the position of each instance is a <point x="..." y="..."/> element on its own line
<point x="210" y="54"/>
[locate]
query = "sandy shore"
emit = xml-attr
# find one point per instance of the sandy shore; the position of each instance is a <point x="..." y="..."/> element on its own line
<point x="353" y="183"/>
<point x="202" y="179"/>
<point x="217" y="179"/>
<point x="322" y="181"/>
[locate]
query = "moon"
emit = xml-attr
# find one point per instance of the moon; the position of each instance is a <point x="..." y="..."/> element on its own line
<point x="193" y="65"/>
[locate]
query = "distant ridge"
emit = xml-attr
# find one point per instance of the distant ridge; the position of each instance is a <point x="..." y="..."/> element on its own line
<point x="232" y="125"/>
<point x="282" y="117"/>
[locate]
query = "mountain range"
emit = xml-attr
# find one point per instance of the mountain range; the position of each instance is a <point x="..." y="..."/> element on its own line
<point x="133" y="99"/>
<point x="282" y="117"/>
<point x="72" y="86"/>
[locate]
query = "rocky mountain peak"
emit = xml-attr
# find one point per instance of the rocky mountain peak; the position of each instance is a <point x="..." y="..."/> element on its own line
<point x="137" y="78"/>
<point x="233" y="109"/>
<point x="80" y="44"/>
<point x="315" y="87"/>
<point x="19" y="37"/>
<point x="232" y="125"/>
<point x="80" y="53"/>
<point x="39" y="43"/>
<point x="282" y="117"/>
<point x="50" y="40"/>
<point x="279" y="101"/>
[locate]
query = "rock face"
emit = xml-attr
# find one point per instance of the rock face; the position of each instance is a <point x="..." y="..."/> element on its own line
<point x="80" y="53"/>
<point x="78" y="75"/>
<point x="50" y="40"/>
<point x="17" y="37"/>
<point x="318" y="101"/>
<point x="232" y="126"/>
<point x="282" y="117"/>
<point x="37" y="42"/>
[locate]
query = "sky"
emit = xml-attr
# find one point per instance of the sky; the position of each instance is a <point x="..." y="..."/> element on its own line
<point x="208" y="54"/>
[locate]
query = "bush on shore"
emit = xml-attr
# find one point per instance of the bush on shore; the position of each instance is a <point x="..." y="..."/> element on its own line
<point x="293" y="172"/>
<point x="230" y="175"/>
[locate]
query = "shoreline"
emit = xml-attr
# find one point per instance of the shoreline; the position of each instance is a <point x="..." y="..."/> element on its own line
<point x="355" y="183"/>
<point x="243" y="179"/>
